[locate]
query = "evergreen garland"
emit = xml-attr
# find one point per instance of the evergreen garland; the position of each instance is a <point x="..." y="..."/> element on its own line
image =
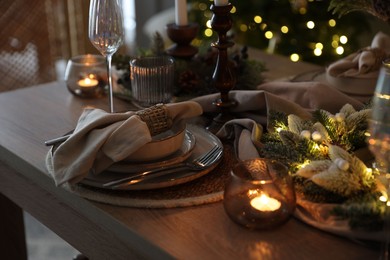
<point x="283" y="142"/>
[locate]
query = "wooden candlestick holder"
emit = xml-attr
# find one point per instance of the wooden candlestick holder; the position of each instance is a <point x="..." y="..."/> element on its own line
<point x="224" y="78"/>
<point x="182" y="37"/>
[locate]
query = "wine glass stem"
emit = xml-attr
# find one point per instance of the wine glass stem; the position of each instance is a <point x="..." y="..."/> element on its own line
<point x="109" y="72"/>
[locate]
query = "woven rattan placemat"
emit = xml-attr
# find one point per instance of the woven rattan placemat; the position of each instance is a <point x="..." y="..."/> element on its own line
<point x="206" y="189"/>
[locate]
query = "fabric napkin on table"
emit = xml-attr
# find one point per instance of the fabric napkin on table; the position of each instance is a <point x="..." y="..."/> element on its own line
<point x="365" y="63"/>
<point x="253" y="106"/>
<point x="101" y="139"/>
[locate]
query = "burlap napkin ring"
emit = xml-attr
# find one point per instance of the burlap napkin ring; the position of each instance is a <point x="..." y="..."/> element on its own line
<point x="157" y="118"/>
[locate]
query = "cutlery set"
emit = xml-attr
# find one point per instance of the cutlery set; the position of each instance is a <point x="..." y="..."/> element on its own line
<point x="200" y="163"/>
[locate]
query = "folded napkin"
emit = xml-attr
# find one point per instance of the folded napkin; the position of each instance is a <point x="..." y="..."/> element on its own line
<point x="253" y="106"/>
<point x="101" y="139"/>
<point x="365" y="63"/>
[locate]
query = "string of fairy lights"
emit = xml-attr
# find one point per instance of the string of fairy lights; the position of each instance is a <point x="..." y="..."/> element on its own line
<point x="305" y="32"/>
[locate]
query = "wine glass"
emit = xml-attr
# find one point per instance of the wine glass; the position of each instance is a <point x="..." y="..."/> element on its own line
<point x="106" y="32"/>
<point x="379" y="140"/>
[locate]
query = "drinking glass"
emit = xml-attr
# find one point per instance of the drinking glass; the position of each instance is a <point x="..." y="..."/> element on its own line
<point x="106" y="32"/>
<point x="379" y="139"/>
<point x="152" y="80"/>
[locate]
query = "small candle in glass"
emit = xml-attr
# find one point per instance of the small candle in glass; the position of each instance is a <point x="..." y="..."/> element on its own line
<point x="85" y="76"/>
<point x="260" y="194"/>
<point x="88" y="84"/>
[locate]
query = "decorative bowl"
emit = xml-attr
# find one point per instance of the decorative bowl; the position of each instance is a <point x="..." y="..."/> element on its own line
<point x="162" y="145"/>
<point x="350" y="85"/>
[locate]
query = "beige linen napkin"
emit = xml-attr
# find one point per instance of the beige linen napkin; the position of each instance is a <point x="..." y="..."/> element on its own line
<point x="253" y="106"/>
<point x="102" y="138"/>
<point x="365" y="63"/>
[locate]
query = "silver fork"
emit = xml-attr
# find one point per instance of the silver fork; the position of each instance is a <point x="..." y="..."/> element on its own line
<point x="198" y="164"/>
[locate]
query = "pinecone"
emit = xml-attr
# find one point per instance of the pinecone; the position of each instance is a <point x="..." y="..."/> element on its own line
<point x="382" y="9"/>
<point x="188" y="80"/>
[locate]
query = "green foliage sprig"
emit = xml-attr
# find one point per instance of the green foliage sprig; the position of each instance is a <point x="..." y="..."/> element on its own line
<point x="320" y="155"/>
<point x="377" y="8"/>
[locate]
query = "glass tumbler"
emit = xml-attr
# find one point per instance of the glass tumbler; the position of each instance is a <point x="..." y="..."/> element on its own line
<point x="152" y="80"/>
<point x="85" y="76"/>
<point x="260" y="194"/>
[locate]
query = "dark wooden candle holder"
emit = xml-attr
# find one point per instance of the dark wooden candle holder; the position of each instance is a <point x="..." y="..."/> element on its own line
<point x="182" y="37"/>
<point x="224" y="78"/>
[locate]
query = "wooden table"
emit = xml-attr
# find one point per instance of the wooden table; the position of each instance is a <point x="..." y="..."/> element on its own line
<point x="30" y="116"/>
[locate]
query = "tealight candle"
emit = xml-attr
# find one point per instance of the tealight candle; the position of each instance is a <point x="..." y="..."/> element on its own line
<point x="88" y="84"/>
<point x="221" y="2"/>
<point x="181" y="18"/>
<point x="265" y="203"/>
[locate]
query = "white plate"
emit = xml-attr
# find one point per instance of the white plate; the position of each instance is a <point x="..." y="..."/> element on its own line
<point x="182" y="154"/>
<point x="204" y="142"/>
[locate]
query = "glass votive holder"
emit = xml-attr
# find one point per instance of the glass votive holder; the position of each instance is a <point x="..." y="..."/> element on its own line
<point x="86" y="76"/>
<point x="152" y="80"/>
<point x="260" y="194"/>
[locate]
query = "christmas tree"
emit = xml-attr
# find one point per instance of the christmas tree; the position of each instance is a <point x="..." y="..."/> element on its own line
<point x="301" y="29"/>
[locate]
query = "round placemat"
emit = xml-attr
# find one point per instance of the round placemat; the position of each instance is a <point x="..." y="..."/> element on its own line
<point x="206" y="189"/>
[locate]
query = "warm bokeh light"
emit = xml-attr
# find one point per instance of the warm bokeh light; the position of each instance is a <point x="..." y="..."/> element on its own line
<point x="208" y="24"/>
<point x="268" y="35"/>
<point x="340" y="50"/>
<point x="233" y="10"/>
<point x="202" y="6"/>
<point x="284" y="29"/>
<point x="257" y="19"/>
<point x="208" y="14"/>
<point x="243" y="28"/>
<point x="335" y="44"/>
<point x="317" y="52"/>
<point x="208" y="32"/>
<point x="343" y="39"/>
<point x="310" y="24"/>
<point x="332" y="23"/>
<point x="319" y="46"/>
<point x="294" y="57"/>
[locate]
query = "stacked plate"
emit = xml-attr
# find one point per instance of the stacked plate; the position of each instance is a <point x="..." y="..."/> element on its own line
<point x="194" y="141"/>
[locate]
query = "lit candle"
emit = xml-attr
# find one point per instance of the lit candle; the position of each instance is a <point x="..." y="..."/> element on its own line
<point x="265" y="203"/>
<point x="88" y="84"/>
<point x="181" y="17"/>
<point x="221" y="2"/>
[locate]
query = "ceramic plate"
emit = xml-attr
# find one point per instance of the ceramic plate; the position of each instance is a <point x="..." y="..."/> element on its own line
<point x="182" y="154"/>
<point x="204" y="142"/>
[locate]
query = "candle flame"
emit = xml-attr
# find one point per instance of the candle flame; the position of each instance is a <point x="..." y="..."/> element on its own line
<point x="265" y="203"/>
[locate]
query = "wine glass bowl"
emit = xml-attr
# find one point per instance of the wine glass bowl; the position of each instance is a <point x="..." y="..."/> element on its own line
<point x="105" y="32"/>
<point x="379" y="123"/>
<point x="379" y="141"/>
